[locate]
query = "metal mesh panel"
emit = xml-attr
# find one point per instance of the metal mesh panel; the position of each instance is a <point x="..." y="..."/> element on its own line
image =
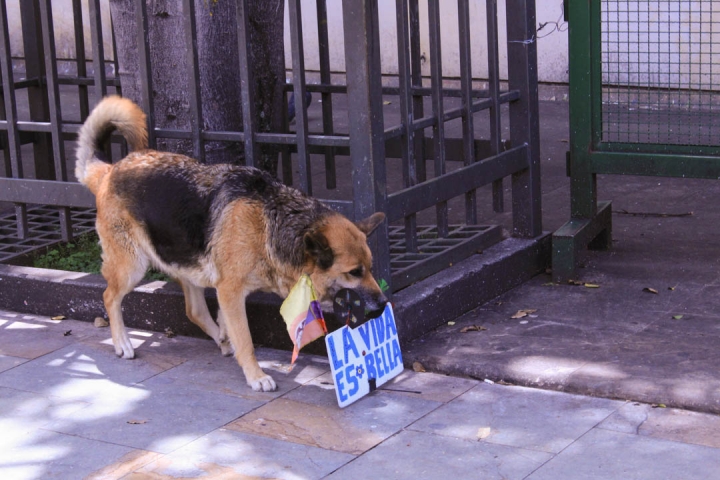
<point x="43" y="229"/>
<point x="661" y="72"/>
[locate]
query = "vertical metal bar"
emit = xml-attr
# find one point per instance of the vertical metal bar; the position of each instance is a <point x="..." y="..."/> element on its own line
<point x="298" y="67"/>
<point x="365" y="123"/>
<point x="196" y="123"/>
<point x="436" y="89"/>
<point x="12" y="136"/>
<point x="524" y="124"/>
<point x="116" y="78"/>
<point x="116" y="63"/>
<point x="416" y="60"/>
<point x="468" y="127"/>
<point x="55" y="112"/>
<point x="246" y="82"/>
<point x="80" y="58"/>
<point x="146" y="83"/>
<point x="98" y="50"/>
<point x="406" y="116"/>
<point x="583" y="183"/>
<point x="37" y="93"/>
<point x="325" y="79"/>
<point x="494" y="90"/>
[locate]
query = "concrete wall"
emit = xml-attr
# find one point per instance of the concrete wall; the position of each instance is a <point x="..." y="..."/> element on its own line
<point x="552" y="43"/>
<point x="685" y="60"/>
<point x="64" y="29"/>
<point x="552" y="49"/>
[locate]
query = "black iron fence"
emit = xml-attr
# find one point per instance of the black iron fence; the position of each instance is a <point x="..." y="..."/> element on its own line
<point x="427" y="150"/>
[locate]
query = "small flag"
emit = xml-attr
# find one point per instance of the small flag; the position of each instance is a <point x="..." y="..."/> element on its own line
<point x="303" y="315"/>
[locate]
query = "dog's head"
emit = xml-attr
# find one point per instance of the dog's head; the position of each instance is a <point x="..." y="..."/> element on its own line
<point x="340" y="258"/>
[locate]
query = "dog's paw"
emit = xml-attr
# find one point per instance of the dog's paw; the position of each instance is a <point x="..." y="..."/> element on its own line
<point x="263" y="384"/>
<point x="127" y="355"/>
<point x="125" y="350"/>
<point x="226" y="349"/>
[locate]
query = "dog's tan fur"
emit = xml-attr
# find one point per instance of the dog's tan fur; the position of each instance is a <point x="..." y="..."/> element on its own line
<point x="259" y="234"/>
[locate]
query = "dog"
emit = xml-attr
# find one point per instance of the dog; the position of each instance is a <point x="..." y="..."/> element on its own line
<point x="233" y="228"/>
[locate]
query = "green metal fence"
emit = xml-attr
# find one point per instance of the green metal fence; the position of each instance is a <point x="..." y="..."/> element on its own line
<point x="644" y="100"/>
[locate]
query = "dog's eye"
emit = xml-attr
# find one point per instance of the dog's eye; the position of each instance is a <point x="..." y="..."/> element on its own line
<point x="356" y="272"/>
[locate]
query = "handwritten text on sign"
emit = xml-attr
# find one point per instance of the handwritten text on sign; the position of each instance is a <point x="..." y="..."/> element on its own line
<point x="363" y="358"/>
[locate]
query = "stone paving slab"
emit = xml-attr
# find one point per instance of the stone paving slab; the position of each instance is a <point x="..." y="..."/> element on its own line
<point x="181" y="410"/>
<point x="223" y="374"/>
<point x="310" y="416"/>
<point x="228" y="454"/>
<point x="7" y="362"/>
<point x="31" y="339"/>
<point x="159" y="415"/>
<point x="519" y="417"/>
<point x="47" y="454"/>
<point x="412" y="455"/>
<point x="665" y="423"/>
<point x="85" y="371"/>
<point x="603" y="454"/>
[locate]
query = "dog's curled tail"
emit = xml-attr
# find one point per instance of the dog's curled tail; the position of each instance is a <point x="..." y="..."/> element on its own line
<point x="112" y="113"/>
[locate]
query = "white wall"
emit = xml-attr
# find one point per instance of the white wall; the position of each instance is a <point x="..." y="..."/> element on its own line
<point x="63" y="26"/>
<point x="686" y="59"/>
<point x="552" y="45"/>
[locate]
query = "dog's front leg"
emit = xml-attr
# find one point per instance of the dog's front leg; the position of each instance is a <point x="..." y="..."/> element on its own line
<point x="233" y="315"/>
<point x="198" y="313"/>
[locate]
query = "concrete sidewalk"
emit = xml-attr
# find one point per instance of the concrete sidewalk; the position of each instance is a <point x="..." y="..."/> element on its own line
<point x="70" y="409"/>
<point x="643" y="322"/>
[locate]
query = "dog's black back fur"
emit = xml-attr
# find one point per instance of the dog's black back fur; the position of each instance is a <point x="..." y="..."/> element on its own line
<point x="178" y="201"/>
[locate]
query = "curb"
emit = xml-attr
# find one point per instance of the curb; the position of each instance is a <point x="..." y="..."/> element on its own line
<point x="159" y="305"/>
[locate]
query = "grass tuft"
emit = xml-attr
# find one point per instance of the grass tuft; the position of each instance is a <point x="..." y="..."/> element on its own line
<point x="83" y="254"/>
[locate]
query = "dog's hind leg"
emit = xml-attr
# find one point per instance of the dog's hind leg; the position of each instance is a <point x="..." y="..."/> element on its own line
<point x="233" y="315"/>
<point x="123" y="271"/>
<point x="197" y="311"/>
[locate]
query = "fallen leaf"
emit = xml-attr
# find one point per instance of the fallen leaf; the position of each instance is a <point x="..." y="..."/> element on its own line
<point x="591" y="285"/>
<point x="659" y="405"/>
<point x="136" y="422"/>
<point x="58" y="317"/>
<point x="418" y="367"/>
<point x="524" y="312"/>
<point x="169" y="333"/>
<point x="472" y="328"/>
<point x="483" y="433"/>
<point x="550" y="284"/>
<point x="575" y="282"/>
<point x="671" y="288"/>
<point x="487" y="380"/>
<point x="387" y="102"/>
<point x="100" y="322"/>
<point x="451" y="323"/>
<point x="650" y="290"/>
<point x="259" y="421"/>
<point x="67" y="334"/>
<point x="677" y="317"/>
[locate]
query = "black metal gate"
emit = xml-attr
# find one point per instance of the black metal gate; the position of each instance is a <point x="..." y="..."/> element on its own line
<point x="644" y="100"/>
<point x="375" y="161"/>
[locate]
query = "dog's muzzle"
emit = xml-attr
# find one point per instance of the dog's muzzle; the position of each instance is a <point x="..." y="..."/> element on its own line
<point x="375" y="308"/>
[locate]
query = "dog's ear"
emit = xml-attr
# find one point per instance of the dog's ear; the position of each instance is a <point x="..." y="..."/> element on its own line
<point x="369" y="224"/>
<point x="318" y="248"/>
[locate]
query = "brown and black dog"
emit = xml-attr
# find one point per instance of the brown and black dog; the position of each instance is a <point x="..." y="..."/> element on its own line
<point x="233" y="228"/>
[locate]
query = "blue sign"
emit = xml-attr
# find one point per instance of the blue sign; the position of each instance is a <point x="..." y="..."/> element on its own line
<point x="363" y="358"/>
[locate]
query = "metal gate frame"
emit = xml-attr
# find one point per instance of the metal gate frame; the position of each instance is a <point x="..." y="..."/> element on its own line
<point x="402" y="255"/>
<point x="591" y="221"/>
